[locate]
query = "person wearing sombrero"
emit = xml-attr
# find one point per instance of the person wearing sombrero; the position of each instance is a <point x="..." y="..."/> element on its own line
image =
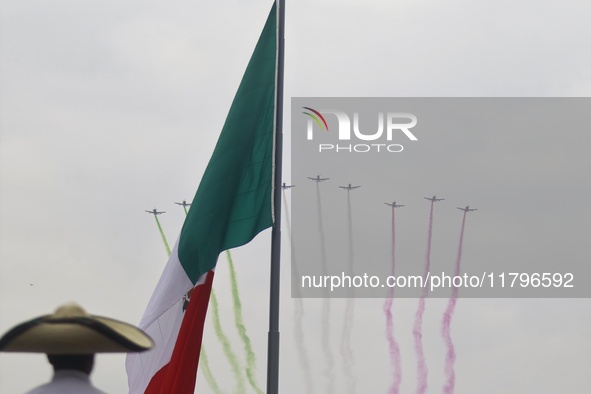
<point x="70" y="337"/>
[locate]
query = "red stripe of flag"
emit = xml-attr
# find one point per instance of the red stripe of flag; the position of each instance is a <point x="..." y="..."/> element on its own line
<point x="178" y="376"/>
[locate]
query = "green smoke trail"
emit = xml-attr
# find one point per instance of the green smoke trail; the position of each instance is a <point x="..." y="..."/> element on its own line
<point x="236" y="369"/>
<point x="162" y="234"/>
<point x="250" y="357"/>
<point x="207" y="374"/>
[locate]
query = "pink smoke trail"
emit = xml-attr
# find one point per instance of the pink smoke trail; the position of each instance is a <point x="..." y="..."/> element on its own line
<point x="422" y="371"/>
<point x="450" y="357"/>
<point x="392" y="344"/>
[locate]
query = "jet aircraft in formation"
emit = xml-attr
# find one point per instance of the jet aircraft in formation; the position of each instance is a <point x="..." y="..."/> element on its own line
<point x="318" y="179"/>
<point x="349" y="187"/>
<point x="285" y="187"/>
<point x="155" y="212"/>
<point x="394" y="205"/>
<point x="467" y="209"/>
<point x="434" y="199"/>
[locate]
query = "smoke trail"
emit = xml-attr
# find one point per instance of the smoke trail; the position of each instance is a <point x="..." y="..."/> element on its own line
<point x="422" y="371"/>
<point x="250" y="356"/>
<point x="162" y="234"/>
<point x="206" y="370"/>
<point x="325" y="319"/>
<point x="418" y="335"/>
<point x="450" y="357"/>
<point x="346" y="350"/>
<point x="298" y="313"/>
<point x="392" y="344"/>
<point x="236" y="369"/>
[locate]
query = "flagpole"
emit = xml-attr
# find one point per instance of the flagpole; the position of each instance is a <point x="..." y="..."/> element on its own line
<point x="273" y="337"/>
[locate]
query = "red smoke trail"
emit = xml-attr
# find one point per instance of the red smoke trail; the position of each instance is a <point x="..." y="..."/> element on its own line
<point x="450" y="357"/>
<point x="392" y="344"/>
<point x="298" y="313"/>
<point x="422" y="370"/>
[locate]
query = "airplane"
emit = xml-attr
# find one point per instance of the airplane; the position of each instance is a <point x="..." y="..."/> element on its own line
<point x="184" y="203"/>
<point x="284" y="186"/>
<point x="394" y="205"/>
<point x="467" y="209"/>
<point x="349" y="187"/>
<point x="318" y="179"/>
<point x="434" y="199"/>
<point x="155" y="212"/>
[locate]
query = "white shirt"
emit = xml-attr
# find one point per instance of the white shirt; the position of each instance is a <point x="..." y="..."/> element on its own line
<point x="68" y="382"/>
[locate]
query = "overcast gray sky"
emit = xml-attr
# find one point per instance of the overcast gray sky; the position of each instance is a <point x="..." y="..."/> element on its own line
<point x="108" y="108"/>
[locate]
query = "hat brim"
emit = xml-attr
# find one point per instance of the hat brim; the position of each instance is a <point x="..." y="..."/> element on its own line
<point x="75" y="335"/>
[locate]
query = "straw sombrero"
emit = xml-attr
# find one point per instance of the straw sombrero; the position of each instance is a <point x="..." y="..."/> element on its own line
<point x="70" y="330"/>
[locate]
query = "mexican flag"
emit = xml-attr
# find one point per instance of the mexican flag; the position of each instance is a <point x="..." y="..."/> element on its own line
<point x="232" y="205"/>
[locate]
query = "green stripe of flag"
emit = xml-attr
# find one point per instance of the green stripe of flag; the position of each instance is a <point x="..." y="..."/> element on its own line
<point x="233" y="201"/>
